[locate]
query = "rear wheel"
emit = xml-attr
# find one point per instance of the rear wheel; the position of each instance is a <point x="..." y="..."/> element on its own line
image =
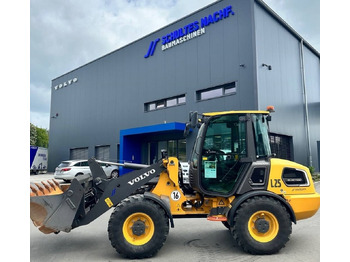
<point x="262" y="226"/>
<point x="138" y="227"/>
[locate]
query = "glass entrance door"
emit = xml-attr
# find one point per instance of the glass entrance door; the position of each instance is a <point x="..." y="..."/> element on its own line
<point x="175" y="148"/>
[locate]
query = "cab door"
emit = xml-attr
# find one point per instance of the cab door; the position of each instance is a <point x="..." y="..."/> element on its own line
<point x="224" y="147"/>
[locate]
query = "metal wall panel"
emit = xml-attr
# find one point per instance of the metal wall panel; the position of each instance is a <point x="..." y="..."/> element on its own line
<point x="282" y="85"/>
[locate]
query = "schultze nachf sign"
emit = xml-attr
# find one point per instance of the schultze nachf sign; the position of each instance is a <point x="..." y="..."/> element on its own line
<point x="189" y="31"/>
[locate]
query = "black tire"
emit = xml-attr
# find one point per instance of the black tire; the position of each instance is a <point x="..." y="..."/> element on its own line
<point x="226" y="224"/>
<point x="262" y="225"/>
<point x="138" y="227"/>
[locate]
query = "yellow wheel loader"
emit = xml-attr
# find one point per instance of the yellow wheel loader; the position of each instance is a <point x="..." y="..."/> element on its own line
<point x="233" y="179"/>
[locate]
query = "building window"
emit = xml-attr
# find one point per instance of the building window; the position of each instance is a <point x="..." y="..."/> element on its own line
<point x="171" y="102"/>
<point x="160" y="104"/>
<point x="181" y="99"/>
<point x="165" y="103"/>
<point x="151" y="106"/>
<point x="217" y="91"/>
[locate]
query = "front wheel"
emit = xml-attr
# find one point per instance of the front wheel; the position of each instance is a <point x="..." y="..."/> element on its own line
<point x="262" y="226"/>
<point x="138" y="227"/>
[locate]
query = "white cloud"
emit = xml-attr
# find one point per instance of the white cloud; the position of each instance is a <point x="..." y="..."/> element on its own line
<point x="40" y="119"/>
<point x="39" y="105"/>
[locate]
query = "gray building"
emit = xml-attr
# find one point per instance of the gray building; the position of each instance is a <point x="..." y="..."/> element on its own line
<point x="230" y="55"/>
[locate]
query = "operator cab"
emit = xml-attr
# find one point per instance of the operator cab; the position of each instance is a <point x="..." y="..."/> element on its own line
<point x="226" y="146"/>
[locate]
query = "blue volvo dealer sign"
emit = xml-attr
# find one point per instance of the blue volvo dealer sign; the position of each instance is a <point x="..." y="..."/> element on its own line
<point x="189" y="31"/>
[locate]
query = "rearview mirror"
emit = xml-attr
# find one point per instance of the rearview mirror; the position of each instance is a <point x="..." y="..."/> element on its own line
<point x="193" y="119"/>
<point x="187" y="129"/>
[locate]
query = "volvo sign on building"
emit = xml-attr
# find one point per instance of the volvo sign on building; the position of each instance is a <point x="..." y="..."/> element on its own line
<point x="66" y="83"/>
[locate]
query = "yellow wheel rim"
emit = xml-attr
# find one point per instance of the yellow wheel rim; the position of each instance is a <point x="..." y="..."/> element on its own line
<point x="138" y="229"/>
<point x="263" y="226"/>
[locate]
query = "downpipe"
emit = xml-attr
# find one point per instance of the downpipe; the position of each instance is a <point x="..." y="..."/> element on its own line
<point x="306" y="108"/>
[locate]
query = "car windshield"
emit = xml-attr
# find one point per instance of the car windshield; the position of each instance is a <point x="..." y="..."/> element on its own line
<point x="64" y="164"/>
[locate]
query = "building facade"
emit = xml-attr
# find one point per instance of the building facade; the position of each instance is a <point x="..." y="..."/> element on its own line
<point x="230" y="55"/>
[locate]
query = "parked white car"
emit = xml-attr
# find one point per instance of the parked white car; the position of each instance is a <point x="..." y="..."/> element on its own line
<point x="69" y="169"/>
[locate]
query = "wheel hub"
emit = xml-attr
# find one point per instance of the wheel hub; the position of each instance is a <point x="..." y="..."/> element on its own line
<point x="138" y="228"/>
<point x="262" y="225"/>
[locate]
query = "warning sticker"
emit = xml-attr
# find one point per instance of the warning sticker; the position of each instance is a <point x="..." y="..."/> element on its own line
<point x="109" y="202"/>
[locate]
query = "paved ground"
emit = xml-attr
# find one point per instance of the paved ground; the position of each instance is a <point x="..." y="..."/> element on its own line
<point x="190" y="240"/>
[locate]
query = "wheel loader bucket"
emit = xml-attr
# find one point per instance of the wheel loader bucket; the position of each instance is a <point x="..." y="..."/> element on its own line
<point x="52" y="209"/>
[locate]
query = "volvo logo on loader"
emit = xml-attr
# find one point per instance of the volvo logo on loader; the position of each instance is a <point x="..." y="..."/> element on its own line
<point x="141" y="177"/>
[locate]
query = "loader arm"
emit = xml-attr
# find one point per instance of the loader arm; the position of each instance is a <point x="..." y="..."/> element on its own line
<point x="53" y="211"/>
<point x="115" y="190"/>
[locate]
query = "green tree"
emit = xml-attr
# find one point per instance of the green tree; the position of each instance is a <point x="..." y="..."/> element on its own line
<point x="39" y="136"/>
<point x="42" y="137"/>
<point x="33" y="135"/>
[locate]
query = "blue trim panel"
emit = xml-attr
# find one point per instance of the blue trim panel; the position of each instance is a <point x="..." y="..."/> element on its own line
<point x="153" y="129"/>
<point x="131" y="140"/>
